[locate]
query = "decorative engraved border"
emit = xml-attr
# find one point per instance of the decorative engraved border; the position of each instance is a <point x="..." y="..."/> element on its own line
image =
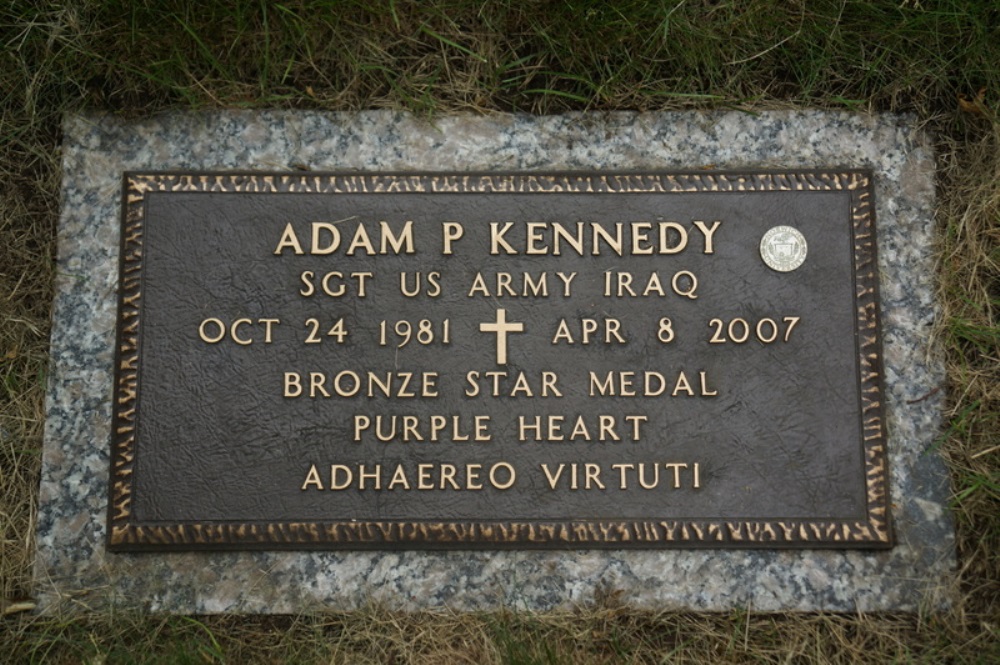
<point x="874" y="531"/>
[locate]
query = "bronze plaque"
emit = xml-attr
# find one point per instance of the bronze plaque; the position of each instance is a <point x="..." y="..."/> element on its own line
<point x="532" y="360"/>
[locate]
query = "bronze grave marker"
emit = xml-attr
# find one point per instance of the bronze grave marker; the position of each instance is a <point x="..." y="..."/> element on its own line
<point x="371" y="361"/>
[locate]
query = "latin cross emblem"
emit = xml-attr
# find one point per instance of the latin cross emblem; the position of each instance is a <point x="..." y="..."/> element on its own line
<point x="501" y="327"/>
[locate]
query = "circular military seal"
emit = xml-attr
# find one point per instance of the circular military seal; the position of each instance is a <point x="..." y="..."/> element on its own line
<point x="783" y="248"/>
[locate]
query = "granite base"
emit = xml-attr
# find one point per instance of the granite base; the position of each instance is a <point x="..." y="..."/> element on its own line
<point x="75" y="572"/>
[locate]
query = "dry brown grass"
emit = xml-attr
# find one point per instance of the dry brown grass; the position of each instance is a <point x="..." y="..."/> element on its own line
<point x="969" y="215"/>
<point x="454" y="55"/>
<point x="27" y="213"/>
<point x="592" y="634"/>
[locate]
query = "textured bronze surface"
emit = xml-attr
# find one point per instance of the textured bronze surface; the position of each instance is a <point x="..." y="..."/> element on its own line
<point x="767" y="430"/>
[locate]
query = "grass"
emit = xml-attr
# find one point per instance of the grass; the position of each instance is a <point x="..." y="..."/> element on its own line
<point x="592" y="634"/>
<point x="939" y="60"/>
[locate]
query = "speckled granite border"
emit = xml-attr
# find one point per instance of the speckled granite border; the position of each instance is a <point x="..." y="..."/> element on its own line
<point x="74" y="571"/>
